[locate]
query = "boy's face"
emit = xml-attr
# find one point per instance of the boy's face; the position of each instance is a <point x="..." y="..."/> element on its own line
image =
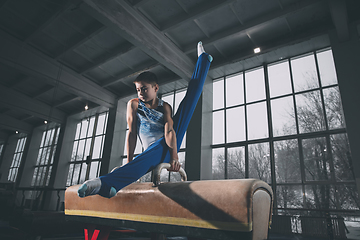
<point x="146" y="91"/>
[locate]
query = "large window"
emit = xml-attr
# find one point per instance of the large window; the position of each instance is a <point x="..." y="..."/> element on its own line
<point x="14" y="168"/>
<point x="283" y="123"/>
<point x="173" y="99"/>
<point x="45" y="159"/>
<point x="87" y="150"/>
<point x="1" y="149"/>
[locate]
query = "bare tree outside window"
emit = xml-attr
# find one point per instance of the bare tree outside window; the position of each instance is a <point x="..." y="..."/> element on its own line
<point x="303" y="149"/>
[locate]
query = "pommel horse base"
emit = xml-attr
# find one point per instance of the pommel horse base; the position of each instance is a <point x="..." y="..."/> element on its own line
<point x="215" y="209"/>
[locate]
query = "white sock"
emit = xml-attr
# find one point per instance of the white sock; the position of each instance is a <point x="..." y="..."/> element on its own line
<point x="200" y="49"/>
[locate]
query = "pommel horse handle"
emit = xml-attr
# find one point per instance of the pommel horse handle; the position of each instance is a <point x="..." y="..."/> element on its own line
<point x="160" y="167"/>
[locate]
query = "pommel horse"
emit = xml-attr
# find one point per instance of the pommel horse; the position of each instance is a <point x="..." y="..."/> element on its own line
<point x="215" y="209"/>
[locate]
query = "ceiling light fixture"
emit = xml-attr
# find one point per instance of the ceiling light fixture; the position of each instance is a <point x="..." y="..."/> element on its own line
<point x="86" y="107"/>
<point x="45" y="122"/>
<point x="257" y="50"/>
<point x="16" y="132"/>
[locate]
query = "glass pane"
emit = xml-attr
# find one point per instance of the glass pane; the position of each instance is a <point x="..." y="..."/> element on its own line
<point x="146" y="177"/>
<point x="51" y="137"/>
<point x="289" y="196"/>
<point x="236" y="163"/>
<point x="235" y="124"/>
<point x="48" y="176"/>
<point x="218" y="127"/>
<point x="102" y="145"/>
<point x="100" y="124"/>
<point x="105" y="123"/>
<point x="45" y="156"/>
<point x="183" y="143"/>
<point x="326" y="68"/>
<point x="23" y="143"/>
<point x="348" y="197"/>
<point x="283" y="116"/>
<point x="255" y="85"/>
<point x="84" y="128"/>
<point x="53" y="155"/>
<point x="97" y="147"/>
<point x="77" y="134"/>
<point x="310" y="112"/>
<point x="57" y="135"/>
<point x="320" y="196"/>
<point x="40" y="176"/>
<point x="343" y="163"/>
<point x="34" y="176"/>
<point x="76" y="174"/>
<point x="257" y="121"/>
<point x="42" y="139"/>
<point x="304" y="73"/>
<point x="218" y="163"/>
<point x="259" y="162"/>
<point x="10" y="175"/>
<point x="15" y="172"/>
<point x="80" y="152"/>
<point x="218" y="94"/>
<point x="73" y="155"/>
<point x="91" y="126"/>
<point x="68" y="181"/>
<point x="279" y="79"/>
<point x="316" y="160"/>
<point x="138" y="148"/>
<point x="39" y="157"/>
<point x="234" y="90"/>
<point x="93" y="169"/>
<point x="18" y="145"/>
<point x="178" y="98"/>
<point x="169" y="99"/>
<point x="83" y="173"/>
<point x="333" y="107"/>
<point x="87" y="148"/>
<point x="287" y="163"/>
<point x="19" y="159"/>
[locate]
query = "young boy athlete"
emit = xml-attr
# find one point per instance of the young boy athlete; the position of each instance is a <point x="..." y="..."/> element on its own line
<point x="161" y="136"/>
<point x="150" y="118"/>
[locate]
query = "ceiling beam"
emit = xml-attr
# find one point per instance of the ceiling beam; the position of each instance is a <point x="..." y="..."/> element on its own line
<point x="339" y="17"/>
<point x="140" y="3"/>
<point x="13" y="124"/>
<point x="68" y="5"/>
<point x="32" y="62"/>
<point x="208" y="7"/>
<point x="135" y="28"/>
<point x="127" y="74"/>
<point x="20" y="102"/>
<point x="282" y="13"/>
<point x="66" y="101"/>
<point x="94" y="31"/>
<point x="124" y="48"/>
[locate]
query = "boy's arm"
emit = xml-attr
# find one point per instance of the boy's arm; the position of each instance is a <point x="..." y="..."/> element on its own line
<point x="132" y="135"/>
<point x="170" y="138"/>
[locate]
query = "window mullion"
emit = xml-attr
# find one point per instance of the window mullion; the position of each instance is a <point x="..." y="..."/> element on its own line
<point x="91" y="147"/>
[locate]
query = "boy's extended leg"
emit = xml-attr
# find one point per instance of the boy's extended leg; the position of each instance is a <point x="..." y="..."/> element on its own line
<point x="158" y="152"/>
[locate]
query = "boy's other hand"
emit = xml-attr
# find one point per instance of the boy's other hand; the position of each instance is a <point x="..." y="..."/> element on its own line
<point x="175" y="165"/>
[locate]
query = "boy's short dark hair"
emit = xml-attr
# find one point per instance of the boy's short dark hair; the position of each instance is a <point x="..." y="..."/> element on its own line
<point x="147" y="77"/>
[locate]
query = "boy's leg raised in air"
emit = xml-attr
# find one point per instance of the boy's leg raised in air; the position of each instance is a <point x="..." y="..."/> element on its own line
<point x="158" y="152"/>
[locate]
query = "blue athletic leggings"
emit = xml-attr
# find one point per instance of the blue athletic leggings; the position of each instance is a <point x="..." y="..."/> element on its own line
<point x="158" y="152"/>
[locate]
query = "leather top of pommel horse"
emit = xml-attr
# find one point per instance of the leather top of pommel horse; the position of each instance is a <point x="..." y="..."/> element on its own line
<point x="229" y="205"/>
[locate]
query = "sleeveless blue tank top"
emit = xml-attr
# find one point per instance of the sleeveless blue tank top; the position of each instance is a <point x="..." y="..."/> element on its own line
<point x="150" y="123"/>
